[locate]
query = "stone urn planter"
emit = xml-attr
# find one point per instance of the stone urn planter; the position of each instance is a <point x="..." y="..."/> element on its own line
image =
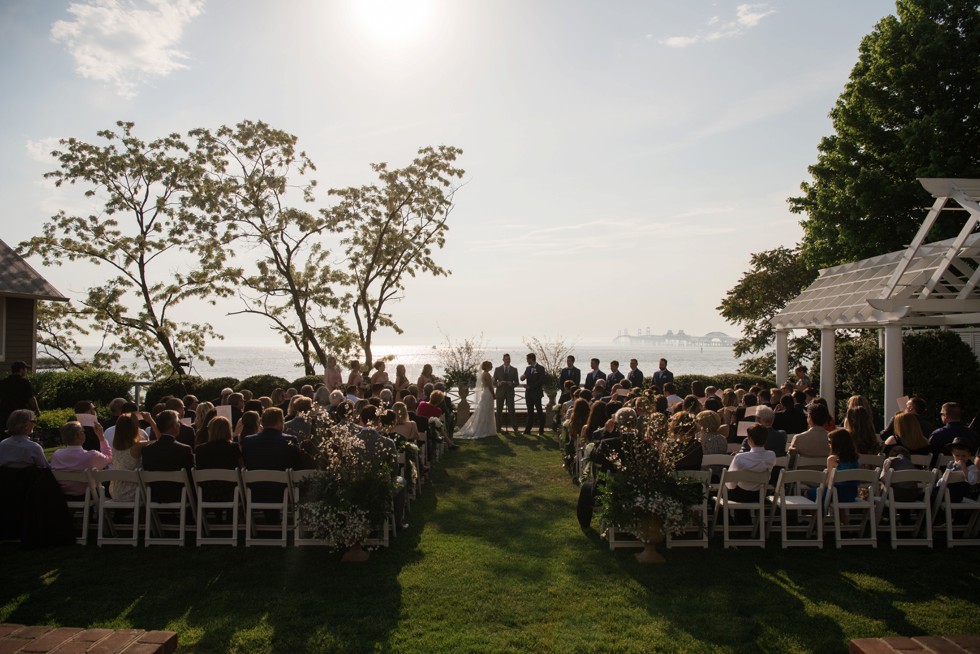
<point x="650" y="532"/>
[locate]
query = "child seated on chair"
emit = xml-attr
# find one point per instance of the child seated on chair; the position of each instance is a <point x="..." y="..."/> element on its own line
<point x="963" y="462"/>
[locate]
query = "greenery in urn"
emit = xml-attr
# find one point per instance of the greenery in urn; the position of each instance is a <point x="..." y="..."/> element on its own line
<point x="643" y="482"/>
<point x="350" y="492"/>
<point x="460" y="360"/>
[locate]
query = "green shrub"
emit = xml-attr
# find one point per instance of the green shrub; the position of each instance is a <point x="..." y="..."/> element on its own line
<point x="51" y="420"/>
<point x="312" y="380"/>
<point x="940" y="367"/>
<point x="210" y="389"/>
<point x="178" y="387"/>
<point x="62" y="389"/>
<point x="262" y="384"/>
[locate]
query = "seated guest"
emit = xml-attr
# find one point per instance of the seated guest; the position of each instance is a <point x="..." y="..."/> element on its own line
<point x="75" y="458"/>
<point x="322" y="396"/>
<point x="128" y="441"/>
<point x="187" y="436"/>
<point x="381" y="449"/>
<point x="790" y="417"/>
<point x="708" y="424"/>
<point x="353" y="393"/>
<point x="859" y="425"/>
<point x="299" y="426"/>
<point x="962" y="450"/>
<point x="411" y="404"/>
<point x="115" y="408"/>
<point x="908" y="434"/>
<point x="917" y="407"/>
<point x="18" y="450"/>
<point x="776" y="440"/>
<point x="758" y="458"/>
<point x="205" y="414"/>
<point x="432" y="408"/>
<point x="251" y="423"/>
<point x="84" y="409"/>
<point x="270" y="450"/>
<point x="683" y="429"/>
<point x="900" y="459"/>
<point x="220" y="452"/>
<point x="952" y="429"/>
<point x="386" y="397"/>
<point x="266" y="403"/>
<point x="190" y="406"/>
<point x="812" y="442"/>
<point x="166" y="454"/>
<point x="448" y="409"/>
<point x="843" y="456"/>
<point x="254" y="405"/>
<point x="670" y="392"/>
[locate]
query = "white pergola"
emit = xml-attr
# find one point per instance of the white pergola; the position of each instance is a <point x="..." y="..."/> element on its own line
<point x="927" y="284"/>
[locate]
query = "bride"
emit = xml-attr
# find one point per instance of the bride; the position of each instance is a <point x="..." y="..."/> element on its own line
<point x="482" y="423"/>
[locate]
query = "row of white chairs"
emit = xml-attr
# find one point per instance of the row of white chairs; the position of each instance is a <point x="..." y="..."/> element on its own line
<point x="801" y="520"/>
<point x="215" y="522"/>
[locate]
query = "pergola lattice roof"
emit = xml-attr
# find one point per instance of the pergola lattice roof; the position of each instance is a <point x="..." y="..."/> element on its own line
<point x="926" y="284"/>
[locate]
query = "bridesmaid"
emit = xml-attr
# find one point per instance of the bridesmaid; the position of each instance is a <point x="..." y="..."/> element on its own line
<point x="426" y="377"/>
<point x="401" y="382"/>
<point x="355" y="378"/>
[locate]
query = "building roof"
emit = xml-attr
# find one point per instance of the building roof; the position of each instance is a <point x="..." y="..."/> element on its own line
<point x="19" y="279"/>
<point x="926" y="284"/>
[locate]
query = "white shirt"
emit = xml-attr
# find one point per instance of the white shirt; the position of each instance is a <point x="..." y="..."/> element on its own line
<point x="758" y="459"/>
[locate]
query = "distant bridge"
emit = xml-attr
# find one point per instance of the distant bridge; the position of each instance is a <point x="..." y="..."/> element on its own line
<point x="679" y="338"/>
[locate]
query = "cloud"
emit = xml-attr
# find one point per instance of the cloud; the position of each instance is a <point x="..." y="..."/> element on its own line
<point x="124" y="42"/>
<point x="41" y="149"/>
<point x="747" y="16"/>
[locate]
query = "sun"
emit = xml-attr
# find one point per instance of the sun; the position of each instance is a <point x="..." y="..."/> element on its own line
<point x="394" y="20"/>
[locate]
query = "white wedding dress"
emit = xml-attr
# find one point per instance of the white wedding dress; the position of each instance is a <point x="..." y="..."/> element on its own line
<point x="482" y="422"/>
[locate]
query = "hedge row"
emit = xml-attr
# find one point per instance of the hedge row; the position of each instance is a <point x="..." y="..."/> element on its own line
<point x="683" y="382"/>
<point x="62" y="389"/>
<point x="210" y="389"/>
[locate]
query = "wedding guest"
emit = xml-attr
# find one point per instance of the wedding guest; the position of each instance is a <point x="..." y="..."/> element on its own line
<point x="576" y="424"/>
<point x="353" y="393"/>
<point x="379" y="376"/>
<point x="432" y="408"/>
<point x="802" y="379"/>
<point x="306" y="390"/>
<point x="426" y="377"/>
<point x="165" y="454"/>
<point x="298" y="425"/>
<point x="406" y="428"/>
<point x="843" y="456"/>
<point x="683" y="430"/>
<point x="952" y="429"/>
<point x="776" y="439"/>
<point x="277" y="397"/>
<point x="74" y="458"/>
<point x="670" y="392"/>
<point x="900" y="459"/>
<point x="790" y="418"/>
<point x="908" y="434"/>
<point x="382" y="449"/>
<point x="205" y="412"/>
<point x="757" y="458"/>
<point x="270" y="450"/>
<point x="220" y="451"/>
<point x="186" y="434"/>
<point x="249" y="424"/>
<point x="127" y="452"/>
<point x="599" y="390"/>
<point x="322" y="396"/>
<point x="635" y="375"/>
<point x="708" y="424"/>
<point x="812" y="442"/>
<point x="858" y="424"/>
<point x="18" y="450"/>
<point x="87" y="408"/>
<point x="697" y="390"/>
<point x="614" y="376"/>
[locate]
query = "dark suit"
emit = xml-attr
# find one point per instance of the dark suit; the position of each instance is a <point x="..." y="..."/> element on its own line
<point x="591" y="378"/>
<point x="534" y="376"/>
<point x="573" y="375"/>
<point x="270" y="450"/>
<point x="662" y="377"/>
<point x="187" y="436"/>
<point x="505" y="393"/>
<point x="614" y="378"/>
<point x="166" y="454"/>
<point x="635" y="378"/>
<point x="221" y="455"/>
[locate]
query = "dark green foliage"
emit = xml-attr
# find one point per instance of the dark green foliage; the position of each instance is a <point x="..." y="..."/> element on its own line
<point x="51" y="420"/>
<point x="728" y="380"/>
<point x="210" y="389"/>
<point x="171" y="386"/>
<point x="940" y="367"/>
<point x="312" y="380"/>
<point x="262" y="384"/>
<point x="911" y="109"/>
<point x="62" y="389"/>
<point x="860" y="371"/>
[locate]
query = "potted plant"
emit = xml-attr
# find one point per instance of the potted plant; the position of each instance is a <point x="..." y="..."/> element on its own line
<point x="642" y="494"/>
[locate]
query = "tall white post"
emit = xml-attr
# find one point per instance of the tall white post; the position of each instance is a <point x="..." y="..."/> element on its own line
<point x="782" y="356"/>
<point x="828" y="369"/>
<point x="894" y="369"/>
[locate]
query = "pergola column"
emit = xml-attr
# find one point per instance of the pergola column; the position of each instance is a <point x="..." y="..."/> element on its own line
<point x="782" y="356"/>
<point x="828" y="369"/>
<point x="894" y="368"/>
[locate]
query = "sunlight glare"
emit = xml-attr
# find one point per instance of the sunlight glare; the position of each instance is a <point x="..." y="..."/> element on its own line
<point x="394" y="20"/>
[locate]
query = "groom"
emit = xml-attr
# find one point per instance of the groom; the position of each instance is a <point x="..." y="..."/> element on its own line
<point x="505" y="379"/>
<point x="534" y="376"/>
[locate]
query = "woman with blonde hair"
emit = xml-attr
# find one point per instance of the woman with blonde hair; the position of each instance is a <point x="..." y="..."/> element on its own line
<point x="708" y="426"/>
<point x="405" y="427"/>
<point x="908" y="434"/>
<point x="401" y="381"/>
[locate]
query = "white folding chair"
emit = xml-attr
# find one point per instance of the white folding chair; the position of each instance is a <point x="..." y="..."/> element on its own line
<point x="864" y="507"/>
<point x="920" y="508"/>
<point x="156" y="527"/>
<point x="789" y="497"/>
<point x="715" y="464"/>
<point x="695" y="533"/>
<point x="942" y="461"/>
<point x="734" y="448"/>
<point x="253" y="527"/>
<point x="622" y="539"/>
<point x="108" y="505"/>
<point x="871" y="460"/>
<point x="921" y="461"/>
<point x="757" y="508"/>
<point x="810" y="463"/>
<point x="85" y="506"/>
<point x="968" y="528"/>
<point x="212" y="506"/>
<point x="301" y="535"/>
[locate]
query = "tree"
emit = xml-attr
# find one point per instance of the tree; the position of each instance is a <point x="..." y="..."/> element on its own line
<point x="911" y="109"/>
<point x="161" y="248"/>
<point x="389" y="230"/>
<point x="59" y="324"/>
<point x="253" y="171"/>
<point x="775" y="277"/>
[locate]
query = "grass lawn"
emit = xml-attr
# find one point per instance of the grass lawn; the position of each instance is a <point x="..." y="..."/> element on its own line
<point x="494" y="561"/>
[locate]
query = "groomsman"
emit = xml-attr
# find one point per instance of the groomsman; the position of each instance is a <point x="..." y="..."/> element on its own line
<point x="662" y="376"/>
<point x="614" y="376"/>
<point x="635" y="375"/>
<point x="534" y="376"/>
<point x="505" y="379"/>
<point x="569" y="373"/>
<point x="594" y="374"/>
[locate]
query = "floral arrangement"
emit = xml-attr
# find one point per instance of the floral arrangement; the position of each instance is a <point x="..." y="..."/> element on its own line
<point x="461" y="359"/>
<point x="351" y="491"/>
<point x="643" y="482"/>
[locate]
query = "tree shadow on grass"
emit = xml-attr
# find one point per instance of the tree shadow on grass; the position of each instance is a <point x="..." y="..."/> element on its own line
<point x="221" y="599"/>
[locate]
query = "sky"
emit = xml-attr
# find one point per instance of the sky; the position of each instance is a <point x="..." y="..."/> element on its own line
<point x="623" y="159"/>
